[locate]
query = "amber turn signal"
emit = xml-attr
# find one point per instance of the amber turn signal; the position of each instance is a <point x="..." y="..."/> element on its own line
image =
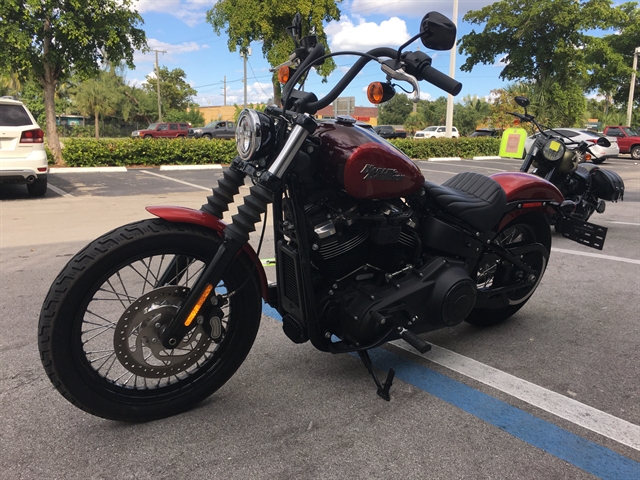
<point x="284" y="74"/>
<point x="378" y="92"/>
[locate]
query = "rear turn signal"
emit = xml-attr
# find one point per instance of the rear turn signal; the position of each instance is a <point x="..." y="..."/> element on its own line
<point x="378" y="92"/>
<point x="284" y="74"/>
<point x="32" y="136"/>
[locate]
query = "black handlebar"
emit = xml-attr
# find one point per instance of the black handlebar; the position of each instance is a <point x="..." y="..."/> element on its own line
<point x="440" y="80"/>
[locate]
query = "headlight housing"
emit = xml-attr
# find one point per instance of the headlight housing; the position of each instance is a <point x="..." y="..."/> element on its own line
<point x="553" y="150"/>
<point x="255" y="134"/>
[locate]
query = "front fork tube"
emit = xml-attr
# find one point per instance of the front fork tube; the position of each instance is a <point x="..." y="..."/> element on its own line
<point x="236" y="235"/>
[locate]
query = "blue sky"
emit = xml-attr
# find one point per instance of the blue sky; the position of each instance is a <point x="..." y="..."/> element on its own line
<point x="179" y="28"/>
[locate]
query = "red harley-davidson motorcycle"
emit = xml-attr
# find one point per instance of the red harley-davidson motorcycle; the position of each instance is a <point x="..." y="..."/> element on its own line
<point x="153" y="317"/>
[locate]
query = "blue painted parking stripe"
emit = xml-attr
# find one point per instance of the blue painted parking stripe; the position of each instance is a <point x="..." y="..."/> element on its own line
<point x="589" y="456"/>
<point x="585" y="454"/>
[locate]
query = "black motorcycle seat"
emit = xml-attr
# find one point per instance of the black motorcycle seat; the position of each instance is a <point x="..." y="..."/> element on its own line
<point x="472" y="197"/>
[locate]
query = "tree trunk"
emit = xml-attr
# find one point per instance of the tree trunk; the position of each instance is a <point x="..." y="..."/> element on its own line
<point x="97" y="125"/>
<point x="49" y="85"/>
<point x="277" y="91"/>
<point x="53" y="142"/>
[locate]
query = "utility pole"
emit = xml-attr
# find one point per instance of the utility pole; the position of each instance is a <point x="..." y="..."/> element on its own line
<point x="452" y="74"/>
<point x="244" y="56"/>
<point x="632" y="86"/>
<point x="158" y="83"/>
<point x="225" y="91"/>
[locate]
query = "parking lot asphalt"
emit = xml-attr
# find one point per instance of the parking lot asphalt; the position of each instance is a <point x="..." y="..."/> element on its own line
<point x="552" y="393"/>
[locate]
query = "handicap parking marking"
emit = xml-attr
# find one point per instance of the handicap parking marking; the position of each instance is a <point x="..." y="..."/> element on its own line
<point x="580" y="452"/>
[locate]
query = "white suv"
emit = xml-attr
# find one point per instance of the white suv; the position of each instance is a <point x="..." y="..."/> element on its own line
<point x="22" y="155"/>
<point x="435" y="132"/>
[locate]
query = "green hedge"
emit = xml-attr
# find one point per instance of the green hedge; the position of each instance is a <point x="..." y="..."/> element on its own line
<point x="465" y="147"/>
<point x="84" y="152"/>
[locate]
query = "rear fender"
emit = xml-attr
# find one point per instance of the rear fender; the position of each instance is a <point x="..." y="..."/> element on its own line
<point x="198" y="217"/>
<point x="527" y="193"/>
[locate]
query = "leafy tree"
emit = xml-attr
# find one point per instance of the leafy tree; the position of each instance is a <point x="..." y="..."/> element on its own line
<point x="49" y="40"/>
<point x="610" y="57"/>
<point x="547" y="43"/>
<point x="471" y="112"/>
<point x="395" y="111"/>
<point x="175" y="92"/>
<point x="434" y="112"/>
<point x="192" y="116"/>
<point x="246" y="21"/>
<point x="414" y="122"/>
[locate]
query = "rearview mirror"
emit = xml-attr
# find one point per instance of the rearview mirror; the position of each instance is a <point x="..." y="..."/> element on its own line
<point x="522" y="101"/>
<point x="437" y="32"/>
<point x="603" y="142"/>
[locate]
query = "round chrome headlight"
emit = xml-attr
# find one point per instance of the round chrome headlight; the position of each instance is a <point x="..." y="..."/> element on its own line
<point x="248" y="133"/>
<point x="553" y="150"/>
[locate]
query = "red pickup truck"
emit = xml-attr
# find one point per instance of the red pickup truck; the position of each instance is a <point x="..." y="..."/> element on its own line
<point x="163" y="130"/>
<point x="628" y="139"/>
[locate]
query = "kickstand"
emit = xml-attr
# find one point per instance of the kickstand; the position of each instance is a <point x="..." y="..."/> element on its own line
<point x="383" y="390"/>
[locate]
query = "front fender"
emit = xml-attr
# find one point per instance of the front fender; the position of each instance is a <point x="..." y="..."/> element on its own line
<point x="528" y="192"/>
<point x="189" y="215"/>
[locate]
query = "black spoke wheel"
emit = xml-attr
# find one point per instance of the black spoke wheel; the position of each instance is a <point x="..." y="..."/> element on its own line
<point x="101" y="321"/>
<point x="503" y="289"/>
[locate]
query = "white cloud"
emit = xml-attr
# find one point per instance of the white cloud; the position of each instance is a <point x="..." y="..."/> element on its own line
<point x="413" y="8"/>
<point x="191" y="12"/>
<point x="345" y="35"/>
<point x="257" y="92"/>
<point x="172" y="50"/>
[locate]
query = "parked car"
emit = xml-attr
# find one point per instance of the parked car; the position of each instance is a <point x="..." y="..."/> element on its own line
<point x="388" y="131"/>
<point x="578" y="135"/>
<point x="163" y="130"/>
<point x="23" y="158"/>
<point x="487" y="132"/>
<point x="218" y="129"/>
<point x="628" y="139"/>
<point x="436" y="132"/>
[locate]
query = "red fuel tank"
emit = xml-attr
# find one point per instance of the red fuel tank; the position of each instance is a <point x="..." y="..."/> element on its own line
<point x="364" y="164"/>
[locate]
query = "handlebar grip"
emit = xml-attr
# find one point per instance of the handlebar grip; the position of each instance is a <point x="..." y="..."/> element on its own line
<point x="440" y="80"/>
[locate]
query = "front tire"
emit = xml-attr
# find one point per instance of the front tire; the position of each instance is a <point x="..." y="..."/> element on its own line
<point x="100" y="323"/>
<point x="493" y="273"/>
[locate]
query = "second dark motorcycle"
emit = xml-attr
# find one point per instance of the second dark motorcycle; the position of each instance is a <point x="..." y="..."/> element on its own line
<point x="562" y="162"/>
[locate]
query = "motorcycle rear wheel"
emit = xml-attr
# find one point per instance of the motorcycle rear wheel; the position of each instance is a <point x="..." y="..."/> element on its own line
<point x="522" y="231"/>
<point x="100" y="322"/>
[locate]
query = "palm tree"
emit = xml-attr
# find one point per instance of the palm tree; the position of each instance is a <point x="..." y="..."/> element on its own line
<point x="98" y="96"/>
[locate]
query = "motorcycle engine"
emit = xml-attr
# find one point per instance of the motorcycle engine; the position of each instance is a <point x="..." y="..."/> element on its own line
<point x="380" y="278"/>
<point x="348" y="236"/>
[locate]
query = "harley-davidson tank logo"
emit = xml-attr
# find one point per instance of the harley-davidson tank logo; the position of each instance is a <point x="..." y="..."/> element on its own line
<point x="372" y="172"/>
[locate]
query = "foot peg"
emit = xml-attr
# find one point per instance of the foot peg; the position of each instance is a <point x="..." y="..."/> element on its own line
<point x="414" y="340"/>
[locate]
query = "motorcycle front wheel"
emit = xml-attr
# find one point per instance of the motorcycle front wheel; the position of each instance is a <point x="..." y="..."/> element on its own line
<point x="494" y="274"/>
<point x="101" y="320"/>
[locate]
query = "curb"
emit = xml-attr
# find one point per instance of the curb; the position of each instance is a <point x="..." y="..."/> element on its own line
<point x="87" y="170"/>
<point x="444" y="159"/>
<point x="489" y="157"/>
<point x="62" y="170"/>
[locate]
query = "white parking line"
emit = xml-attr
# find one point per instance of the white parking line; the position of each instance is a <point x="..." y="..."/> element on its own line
<point x="59" y="191"/>
<point x="597" y="255"/>
<point x="208" y="189"/>
<point x="578" y="413"/>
